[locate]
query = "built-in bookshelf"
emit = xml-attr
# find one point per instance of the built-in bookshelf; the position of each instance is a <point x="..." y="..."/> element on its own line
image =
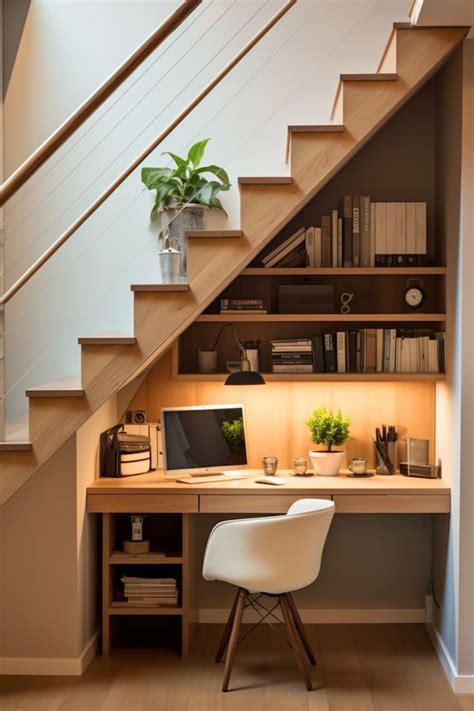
<point x="391" y="187"/>
<point x="124" y="620"/>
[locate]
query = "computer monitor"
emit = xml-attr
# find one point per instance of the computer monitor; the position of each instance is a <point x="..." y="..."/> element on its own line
<point x="202" y="440"/>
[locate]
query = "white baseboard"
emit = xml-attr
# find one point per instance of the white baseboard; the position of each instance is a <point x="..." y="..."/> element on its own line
<point x="47" y="666"/>
<point x="325" y="616"/>
<point x="460" y="683"/>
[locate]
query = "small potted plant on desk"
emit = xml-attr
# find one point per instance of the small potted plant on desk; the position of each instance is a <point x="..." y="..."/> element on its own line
<point x="184" y="195"/>
<point x="330" y="429"/>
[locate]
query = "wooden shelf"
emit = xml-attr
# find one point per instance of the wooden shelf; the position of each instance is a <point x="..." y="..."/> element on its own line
<point x="323" y="377"/>
<point x="345" y="271"/>
<point x="119" y="558"/>
<point x="258" y="318"/>
<point x="125" y="608"/>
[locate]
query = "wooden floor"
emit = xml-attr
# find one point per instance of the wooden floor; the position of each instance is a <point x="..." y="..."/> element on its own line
<point x="361" y="668"/>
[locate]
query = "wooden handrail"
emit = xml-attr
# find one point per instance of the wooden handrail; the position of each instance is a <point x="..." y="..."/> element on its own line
<point x="95" y="100"/>
<point x="146" y="152"/>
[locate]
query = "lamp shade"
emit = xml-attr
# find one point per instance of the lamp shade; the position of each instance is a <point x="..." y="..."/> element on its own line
<point x="245" y="377"/>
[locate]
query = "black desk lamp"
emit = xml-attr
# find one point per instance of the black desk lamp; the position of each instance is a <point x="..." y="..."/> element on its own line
<point x="244" y="376"/>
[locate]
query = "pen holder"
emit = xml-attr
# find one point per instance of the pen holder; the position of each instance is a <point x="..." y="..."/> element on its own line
<point x="392" y="455"/>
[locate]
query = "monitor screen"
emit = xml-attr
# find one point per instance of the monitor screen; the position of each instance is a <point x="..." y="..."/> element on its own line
<point x="199" y="439"/>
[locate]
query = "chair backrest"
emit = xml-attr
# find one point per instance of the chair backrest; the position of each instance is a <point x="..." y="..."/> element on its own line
<point x="272" y="554"/>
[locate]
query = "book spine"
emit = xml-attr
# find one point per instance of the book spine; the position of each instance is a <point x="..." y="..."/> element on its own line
<point x="353" y="351"/>
<point x="420" y="233"/>
<point x="317" y="248"/>
<point x="347" y="231"/>
<point x="318" y="354"/>
<point x="310" y="246"/>
<point x="400" y="259"/>
<point x="329" y="353"/>
<point x="340" y="250"/>
<point x="341" y="351"/>
<point x="380" y="234"/>
<point x="411" y="233"/>
<point x="292" y="368"/>
<point x="355" y="231"/>
<point x="393" y="338"/>
<point x="364" y="231"/>
<point x="372" y="235"/>
<point x="334" y="228"/>
<point x="326" y="251"/>
<point x="386" y="350"/>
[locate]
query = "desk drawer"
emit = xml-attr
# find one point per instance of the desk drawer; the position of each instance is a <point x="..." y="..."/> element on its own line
<point x="392" y="503"/>
<point x="142" y="503"/>
<point x="251" y="503"/>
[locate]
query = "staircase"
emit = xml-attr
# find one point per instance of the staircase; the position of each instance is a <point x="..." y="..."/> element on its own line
<point x="362" y="105"/>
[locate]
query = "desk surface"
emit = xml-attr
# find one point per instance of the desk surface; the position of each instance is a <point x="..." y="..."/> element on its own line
<point x="156" y="483"/>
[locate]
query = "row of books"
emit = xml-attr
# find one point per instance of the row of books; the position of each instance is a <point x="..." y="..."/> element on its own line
<point x="237" y="306"/>
<point x="292" y="355"/>
<point x="150" y="591"/>
<point x="366" y="234"/>
<point x="369" y="350"/>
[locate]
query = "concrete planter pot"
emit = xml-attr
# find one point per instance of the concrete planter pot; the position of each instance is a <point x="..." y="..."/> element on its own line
<point x="326" y="463"/>
<point x="178" y="219"/>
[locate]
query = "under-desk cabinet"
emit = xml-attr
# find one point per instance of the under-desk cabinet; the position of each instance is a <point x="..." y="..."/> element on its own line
<point x="130" y="624"/>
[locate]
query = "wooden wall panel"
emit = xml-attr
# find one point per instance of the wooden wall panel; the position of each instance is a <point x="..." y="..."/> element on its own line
<point x="276" y="412"/>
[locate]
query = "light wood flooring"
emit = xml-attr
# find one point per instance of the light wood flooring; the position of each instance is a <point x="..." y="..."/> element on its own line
<point x="361" y="668"/>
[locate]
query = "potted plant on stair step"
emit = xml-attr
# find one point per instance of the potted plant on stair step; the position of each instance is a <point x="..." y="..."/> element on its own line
<point x="184" y="195"/>
<point x="330" y="429"/>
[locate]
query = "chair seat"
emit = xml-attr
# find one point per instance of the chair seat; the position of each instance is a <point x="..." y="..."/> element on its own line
<point x="274" y="555"/>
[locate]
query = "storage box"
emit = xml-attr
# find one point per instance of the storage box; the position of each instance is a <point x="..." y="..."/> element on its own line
<point x="306" y="299"/>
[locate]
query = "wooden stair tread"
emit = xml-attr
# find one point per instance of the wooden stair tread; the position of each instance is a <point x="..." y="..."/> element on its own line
<point x="160" y="287"/>
<point x="369" y="77"/>
<point x="272" y="180"/>
<point x="206" y="234"/>
<point x="66" y="387"/>
<point x="15" y="446"/>
<point x="316" y="128"/>
<point x="409" y="26"/>
<point x="107" y="339"/>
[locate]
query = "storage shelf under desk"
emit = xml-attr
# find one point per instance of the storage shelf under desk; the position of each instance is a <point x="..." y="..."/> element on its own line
<point x="170" y="504"/>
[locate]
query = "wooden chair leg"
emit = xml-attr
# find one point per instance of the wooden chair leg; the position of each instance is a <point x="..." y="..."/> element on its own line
<point x="227" y="629"/>
<point x="234" y="637"/>
<point x="295" y="641"/>
<point x="301" y="630"/>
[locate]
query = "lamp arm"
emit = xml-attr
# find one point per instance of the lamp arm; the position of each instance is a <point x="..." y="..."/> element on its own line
<point x="243" y="352"/>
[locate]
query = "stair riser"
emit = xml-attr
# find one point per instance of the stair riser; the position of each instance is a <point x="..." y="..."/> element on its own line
<point x="49" y="417"/>
<point x="313" y="158"/>
<point x="95" y="359"/>
<point x="429" y="54"/>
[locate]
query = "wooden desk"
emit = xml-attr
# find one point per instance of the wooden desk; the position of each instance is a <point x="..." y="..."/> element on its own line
<point x="149" y="493"/>
<point x="175" y="502"/>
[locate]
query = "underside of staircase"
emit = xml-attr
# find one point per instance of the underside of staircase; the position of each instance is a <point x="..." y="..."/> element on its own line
<point x="362" y="105"/>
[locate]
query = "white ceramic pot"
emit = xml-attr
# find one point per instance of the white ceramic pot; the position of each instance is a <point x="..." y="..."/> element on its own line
<point x="326" y="463"/>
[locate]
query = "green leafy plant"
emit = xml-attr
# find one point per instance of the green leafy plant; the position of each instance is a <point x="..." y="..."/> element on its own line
<point x="186" y="183"/>
<point x="328" y="428"/>
<point x="233" y="431"/>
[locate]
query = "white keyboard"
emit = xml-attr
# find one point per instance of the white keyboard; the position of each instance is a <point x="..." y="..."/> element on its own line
<point x="211" y="479"/>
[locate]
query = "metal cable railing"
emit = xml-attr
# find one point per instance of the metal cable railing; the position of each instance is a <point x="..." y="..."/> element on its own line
<point x="70" y="126"/>
<point x="152" y="146"/>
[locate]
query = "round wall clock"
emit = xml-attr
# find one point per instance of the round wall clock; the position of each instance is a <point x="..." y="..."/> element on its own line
<point x="414" y="294"/>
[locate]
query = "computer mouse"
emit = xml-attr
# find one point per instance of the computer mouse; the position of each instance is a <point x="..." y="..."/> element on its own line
<point x="272" y="480"/>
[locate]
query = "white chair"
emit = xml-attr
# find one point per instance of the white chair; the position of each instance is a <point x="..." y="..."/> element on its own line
<point x="272" y="555"/>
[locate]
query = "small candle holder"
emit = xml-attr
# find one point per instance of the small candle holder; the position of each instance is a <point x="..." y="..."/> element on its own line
<point x="270" y="465"/>
<point x="300" y="466"/>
